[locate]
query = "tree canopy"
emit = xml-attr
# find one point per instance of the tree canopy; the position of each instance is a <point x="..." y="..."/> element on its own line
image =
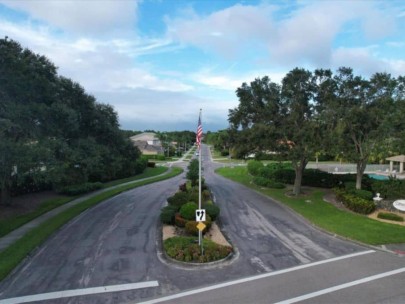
<point x="51" y="129"/>
<point x="314" y="112"/>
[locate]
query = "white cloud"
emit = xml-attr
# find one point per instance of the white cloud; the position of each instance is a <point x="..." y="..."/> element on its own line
<point x="150" y="109"/>
<point x="224" y="31"/>
<point x="304" y="36"/>
<point x="85" y="17"/>
<point x="363" y="61"/>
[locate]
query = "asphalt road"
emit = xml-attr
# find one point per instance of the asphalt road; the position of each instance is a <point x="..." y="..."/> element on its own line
<point x="118" y="242"/>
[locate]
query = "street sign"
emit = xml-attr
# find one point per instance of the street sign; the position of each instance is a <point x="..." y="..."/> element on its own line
<point x="200" y="215"/>
<point x="201" y="226"/>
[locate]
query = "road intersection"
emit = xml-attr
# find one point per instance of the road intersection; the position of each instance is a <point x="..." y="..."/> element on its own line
<point x="116" y="245"/>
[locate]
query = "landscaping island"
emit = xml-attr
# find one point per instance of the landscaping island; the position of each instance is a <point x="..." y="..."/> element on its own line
<point x="180" y="232"/>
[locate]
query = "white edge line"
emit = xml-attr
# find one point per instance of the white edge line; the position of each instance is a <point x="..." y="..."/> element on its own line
<point x="342" y="286"/>
<point x="79" y="292"/>
<point x="253" y="278"/>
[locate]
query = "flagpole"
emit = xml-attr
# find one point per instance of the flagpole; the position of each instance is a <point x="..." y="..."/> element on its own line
<point x="199" y="189"/>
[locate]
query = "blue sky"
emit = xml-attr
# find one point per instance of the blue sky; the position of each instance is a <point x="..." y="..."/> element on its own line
<point x="159" y="61"/>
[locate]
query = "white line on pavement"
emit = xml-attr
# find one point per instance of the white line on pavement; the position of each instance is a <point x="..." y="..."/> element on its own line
<point x="339" y="287"/>
<point x="79" y="292"/>
<point x="253" y="278"/>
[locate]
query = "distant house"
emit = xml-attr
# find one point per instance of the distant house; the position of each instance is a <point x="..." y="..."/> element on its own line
<point x="148" y="143"/>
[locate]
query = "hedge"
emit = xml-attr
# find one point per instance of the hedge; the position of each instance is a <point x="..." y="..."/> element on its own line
<point x="187" y="211"/>
<point x="167" y="214"/>
<point x="212" y="210"/>
<point x="354" y="203"/>
<point x="80" y="189"/>
<point x="191" y="226"/>
<point x="254" y="167"/>
<point x="264" y="182"/>
<point x="390" y="216"/>
<point x="178" y="199"/>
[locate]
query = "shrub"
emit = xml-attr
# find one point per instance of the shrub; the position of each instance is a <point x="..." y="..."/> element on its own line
<point x="151" y="164"/>
<point x="318" y="178"/>
<point x="167" y="215"/>
<point x="224" y="152"/>
<point x="264" y="182"/>
<point x="140" y="165"/>
<point x="390" y="189"/>
<point x="179" y="221"/>
<point x="390" y="216"/>
<point x="279" y="165"/>
<point x="187" y="211"/>
<point x="183" y="187"/>
<point x="254" y="167"/>
<point x="285" y="176"/>
<point x="79" y="189"/>
<point x="212" y="210"/>
<point x="191" y="226"/>
<point x="186" y="249"/>
<point x="193" y="197"/>
<point x="178" y="199"/>
<point x="205" y="195"/>
<point x="364" y="194"/>
<point x="355" y="203"/>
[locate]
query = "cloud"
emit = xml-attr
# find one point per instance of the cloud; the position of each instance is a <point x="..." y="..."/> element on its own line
<point x="363" y="61"/>
<point x="142" y="109"/>
<point x="84" y="17"/>
<point x="224" y="31"/>
<point x="305" y="35"/>
<point x="96" y="64"/>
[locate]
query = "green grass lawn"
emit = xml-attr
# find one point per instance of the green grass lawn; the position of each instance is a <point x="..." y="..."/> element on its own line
<point x="149" y="172"/>
<point x="15" y="253"/>
<point x="325" y="215"/>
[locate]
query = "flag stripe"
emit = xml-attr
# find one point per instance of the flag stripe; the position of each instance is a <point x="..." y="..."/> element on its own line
<point x="199" y="132"/>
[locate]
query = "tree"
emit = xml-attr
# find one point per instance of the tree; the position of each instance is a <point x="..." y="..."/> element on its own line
<point x="300" y="133"/>
<point x="193" y="172"/>
<point x="364" y="110"/>
<point x="49" y="121"/>
<point x="279" y="118"/>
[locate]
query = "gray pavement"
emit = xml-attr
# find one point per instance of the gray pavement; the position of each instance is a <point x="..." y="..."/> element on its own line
<point x="18" y="233"/>
<point x="119" y="242"/>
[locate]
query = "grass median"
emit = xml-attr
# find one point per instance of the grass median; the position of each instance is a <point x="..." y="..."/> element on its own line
<point x="15" y="253"/>
<point x="325" y="215"/>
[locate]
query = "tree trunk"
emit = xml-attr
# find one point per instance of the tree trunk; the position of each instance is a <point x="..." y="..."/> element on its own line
<point x="299" y="170"/>
<point x="361" y="166"/>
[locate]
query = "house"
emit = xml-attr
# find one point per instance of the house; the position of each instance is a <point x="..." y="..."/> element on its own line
<point x="148" y="143"/>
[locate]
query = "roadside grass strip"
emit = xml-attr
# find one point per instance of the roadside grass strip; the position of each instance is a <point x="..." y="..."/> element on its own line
<point x="324" y="215"/>
<point x="8" y="225"/>
<point x="14" y="254"/>
<point x="79" y="292"/>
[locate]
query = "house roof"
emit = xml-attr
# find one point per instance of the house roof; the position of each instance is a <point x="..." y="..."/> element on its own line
<point x="397" y="158"/>
<point x="147" y="136"/>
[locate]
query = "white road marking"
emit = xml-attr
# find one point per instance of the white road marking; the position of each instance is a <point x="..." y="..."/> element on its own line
<point x="253" y="278"/>
<point x="78" y="292"/>
<point x="342" y="286"/>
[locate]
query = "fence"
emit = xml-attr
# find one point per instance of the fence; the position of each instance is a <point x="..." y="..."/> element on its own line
<point x="349" y="168"/>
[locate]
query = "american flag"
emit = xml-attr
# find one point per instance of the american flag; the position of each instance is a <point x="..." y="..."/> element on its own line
<point x="199" y="132"/>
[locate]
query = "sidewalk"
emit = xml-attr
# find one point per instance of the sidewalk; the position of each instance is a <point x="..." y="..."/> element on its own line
<point x="18" y="233"/>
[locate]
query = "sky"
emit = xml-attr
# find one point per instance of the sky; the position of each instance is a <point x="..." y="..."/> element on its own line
<point x="158" y="62"/>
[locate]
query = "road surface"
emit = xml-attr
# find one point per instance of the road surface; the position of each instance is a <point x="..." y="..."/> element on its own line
<point x="116" y="245"/>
